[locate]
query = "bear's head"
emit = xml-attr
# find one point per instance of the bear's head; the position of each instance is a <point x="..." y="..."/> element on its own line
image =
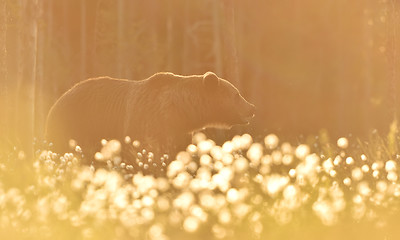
<point x="227" y="106"/>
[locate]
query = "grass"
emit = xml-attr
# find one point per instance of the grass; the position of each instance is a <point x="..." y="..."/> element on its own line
<point x="270" y="189"/>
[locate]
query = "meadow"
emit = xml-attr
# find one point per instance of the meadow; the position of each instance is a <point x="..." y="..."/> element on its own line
<point x="306" y="65"/>
<point x="246" y="188"/>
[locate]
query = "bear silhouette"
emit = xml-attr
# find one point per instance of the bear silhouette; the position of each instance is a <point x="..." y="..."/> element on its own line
<point x="160" y="111"/>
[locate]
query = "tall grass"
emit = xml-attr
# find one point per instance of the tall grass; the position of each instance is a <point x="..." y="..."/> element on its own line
<point x="258" y="190"/>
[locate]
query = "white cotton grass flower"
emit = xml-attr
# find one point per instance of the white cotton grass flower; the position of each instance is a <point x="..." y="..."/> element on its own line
<point x="255" y="153"/>
<point x="291" y="197"/>
<point x="182" y="180"/>
<point x="218" y="165"/>
<point x="392" y="176"/>
<point x="287" y="159"/>
<point x="377" y="165"/>
<point x="109" y="150"/>
<point x="184" y="201"/>
<point x="217" y="153"/>
<point x="337" y="160"/>
<point x="147" y="201"/>
<point x="198" y="137"/>
<point x="192" y="149"/>
<point x="276" y="157"/>
<point x="191" y="224"/>
<point x="227" y="159"/>
<point x="163" y="203"/>
<point x="205" y="146"/>
<point x="390" y="166"/>
<point x="136" y="144"/>
<point x="357" y="174"/>
<point x="224" y="216"/>
<point x="330" y="202"/>
<point x="347" y="181"/>
<point x="174" y="168"/>
<point x="175" y="217"/>
<point x="327" y="165"/>
<point x="72" y="144"/>
<point x="365" y="168"/>
<point x="325" y="212"/>
<point x="78" y="149"/>
<point x="144" y="184"/>
<point x="363" y="157"/>
<point x="199" y="213"/>
<point x="395" y="189"/>
<point x="240" y="210"/>
<point x="162" y="184"/>
<point x="205" y="160"/>
<point x="245" y="141"/>
<point x="292" y="173"/>
<point x="381" y="186"/>
<point x="221" y="181"/>
<point x="240" y="165"/>
<point x="184" y="157"/>
<point x="228" y="147"/>
<point x="342" y="143"/>
<point x="287" y="148"/>
<point x="349" y="161"/>
<point x="156" y="231"/>
<point x="307" y="170"/>
<point x="127" y="140"/>
<point x="302" y="151"/>
<point x="147" y="214"/>
<point x="232" y="195"/>
<point x="364" y="189"/>
<point x="207" y="200"/>
<point x="98" y="156"/>
<point x="375" y="174"/>
<point x="271" y="141"/>
<point x="274" y="183"/>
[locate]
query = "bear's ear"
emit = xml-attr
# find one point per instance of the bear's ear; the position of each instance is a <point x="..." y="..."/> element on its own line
<point x="210" y="80"/>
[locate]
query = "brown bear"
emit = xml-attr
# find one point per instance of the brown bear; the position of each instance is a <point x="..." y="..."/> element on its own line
<point x="159" y="111"/>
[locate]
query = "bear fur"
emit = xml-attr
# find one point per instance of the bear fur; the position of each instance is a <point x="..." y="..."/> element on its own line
<point x="159" y="111"/>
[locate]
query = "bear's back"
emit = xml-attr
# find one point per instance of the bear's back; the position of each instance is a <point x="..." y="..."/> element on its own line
<point x="89" y="109"/>
<point x="107" y="108"/>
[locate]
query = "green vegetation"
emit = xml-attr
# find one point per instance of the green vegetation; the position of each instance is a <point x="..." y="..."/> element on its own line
<point x="257" y="190"/>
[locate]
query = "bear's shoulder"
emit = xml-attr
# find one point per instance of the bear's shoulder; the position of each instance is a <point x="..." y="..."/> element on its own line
<point x="164" y="78"/>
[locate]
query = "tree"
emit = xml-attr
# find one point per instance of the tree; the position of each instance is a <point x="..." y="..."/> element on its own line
<point x="4" y="100"/>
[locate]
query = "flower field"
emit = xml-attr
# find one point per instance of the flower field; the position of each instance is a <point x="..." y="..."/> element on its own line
<point x="246" y="188"/>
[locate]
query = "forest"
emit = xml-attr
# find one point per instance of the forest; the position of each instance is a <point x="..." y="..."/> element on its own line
<point x="323" y="147"/>
<point x="307" y="66"/>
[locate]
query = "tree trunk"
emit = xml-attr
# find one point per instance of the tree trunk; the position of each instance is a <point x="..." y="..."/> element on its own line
<point x="4" y="88"/>
<point x="230" y="53"/>
<point x="18" y="91"/>
<point x="38" y="84"/>
<point x="83" y="41"/>
<point x="27" y="74"/>
<point x="393" y="57"/>
<point x="368" y="72"/>
<point x="32" y="73"/>
<point x="3" y="37"/>
<point x="120" y="38"/>
<point x="217" y="37"/>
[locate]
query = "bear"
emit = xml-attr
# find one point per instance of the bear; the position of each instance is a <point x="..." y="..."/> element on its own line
<point x="160" y="111"/>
